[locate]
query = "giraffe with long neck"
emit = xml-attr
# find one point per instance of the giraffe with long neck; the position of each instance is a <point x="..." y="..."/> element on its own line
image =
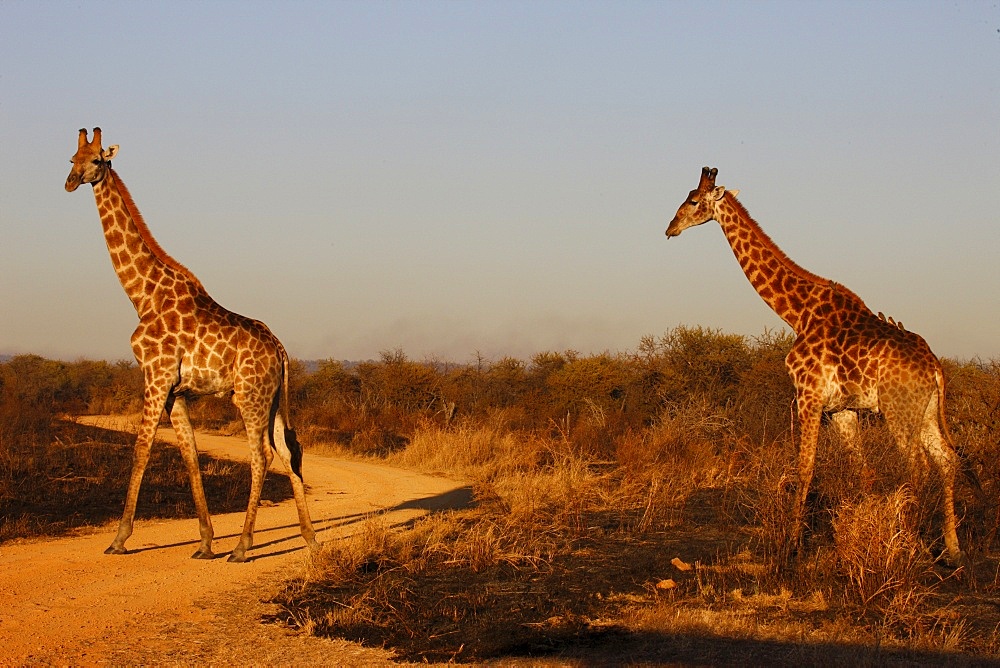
<point x="844" y="357"/>
<point x="188" y="345"/>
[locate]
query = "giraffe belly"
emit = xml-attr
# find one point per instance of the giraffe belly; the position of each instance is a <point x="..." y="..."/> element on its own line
<point x="202" y="381"/>
<point x="841" y="395"/>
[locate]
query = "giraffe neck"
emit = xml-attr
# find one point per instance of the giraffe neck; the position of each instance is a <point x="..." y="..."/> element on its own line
<point x="798" y="296"/>
<point x="143" y="267"/>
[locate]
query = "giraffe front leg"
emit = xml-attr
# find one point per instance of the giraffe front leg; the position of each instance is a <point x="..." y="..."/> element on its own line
<point x="177" y="409"/>
<point x="848" y="428"/>
<point x="152" y="408"/>
<point x="258" y="468"/>
<point x="810" y="413"/>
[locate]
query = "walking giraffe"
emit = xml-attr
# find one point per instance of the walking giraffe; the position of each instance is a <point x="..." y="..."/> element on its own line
<point x="844" y="356"/>
<point x="189" y="345"/>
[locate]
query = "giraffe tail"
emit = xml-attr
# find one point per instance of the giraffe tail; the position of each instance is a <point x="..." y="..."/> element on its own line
<point x="279" y="408"/>
<point x="963" y="458"/>
<point x="295" y="448"/>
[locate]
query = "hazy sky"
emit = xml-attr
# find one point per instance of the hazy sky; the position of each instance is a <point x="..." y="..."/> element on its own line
<point x="496" y="177"/>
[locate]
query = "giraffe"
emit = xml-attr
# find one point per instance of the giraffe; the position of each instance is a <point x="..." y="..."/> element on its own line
<point x="844" y="357"/>
<point x="188" y="345"/>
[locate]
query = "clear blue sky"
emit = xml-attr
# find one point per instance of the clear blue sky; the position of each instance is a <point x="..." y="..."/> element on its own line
<point x="496" y="177"/>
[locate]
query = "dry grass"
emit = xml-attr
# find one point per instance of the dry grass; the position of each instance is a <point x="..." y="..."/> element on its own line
<point x="667" y="553"/>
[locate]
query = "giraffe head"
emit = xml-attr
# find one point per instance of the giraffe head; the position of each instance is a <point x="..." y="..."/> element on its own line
<point x="91" y="162"/>
<point x="701" y="204"/>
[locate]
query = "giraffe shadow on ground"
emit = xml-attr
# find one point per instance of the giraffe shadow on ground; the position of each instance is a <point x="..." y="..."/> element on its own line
<point x="454" y="499"/>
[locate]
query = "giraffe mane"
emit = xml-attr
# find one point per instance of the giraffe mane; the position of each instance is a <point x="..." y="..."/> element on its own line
<point x="783" y="258"/>
<point x="147" y="236"/>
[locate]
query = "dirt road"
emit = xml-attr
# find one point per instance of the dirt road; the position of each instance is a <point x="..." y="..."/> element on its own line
<point x="63" y="601"/>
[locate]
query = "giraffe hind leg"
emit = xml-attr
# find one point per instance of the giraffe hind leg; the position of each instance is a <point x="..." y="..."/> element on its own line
<point x="290" y="452"/>
<point x="254" y="410"/>
<point x="258" y="469"/>
<point x="941" y="452"/>
<point x="919" y="436"/>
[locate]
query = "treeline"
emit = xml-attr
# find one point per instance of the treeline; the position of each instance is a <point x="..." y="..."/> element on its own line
<point x="376" y="406"/>
<point x="589" y="399"/>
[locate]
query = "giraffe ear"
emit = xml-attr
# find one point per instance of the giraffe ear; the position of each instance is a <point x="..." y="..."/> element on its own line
<point x="734" y="193"/>
<point x="718" y="192"/>
<point x="110" y="152"/>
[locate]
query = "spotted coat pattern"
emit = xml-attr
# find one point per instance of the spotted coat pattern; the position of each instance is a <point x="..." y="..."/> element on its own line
<point x="844" y="357"/>
<point x="188" y="345"/>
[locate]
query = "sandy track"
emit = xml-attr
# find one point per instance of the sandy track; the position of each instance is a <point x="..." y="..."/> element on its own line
<point x="65" y="601"/>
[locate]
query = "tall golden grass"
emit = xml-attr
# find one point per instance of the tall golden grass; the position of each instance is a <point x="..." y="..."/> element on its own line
<point x="649" y="494"/>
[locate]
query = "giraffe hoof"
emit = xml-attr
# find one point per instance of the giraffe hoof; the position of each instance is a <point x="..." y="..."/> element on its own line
<point x="237" y="559"/>
<point x="956" y="560"/>
<point x="115" y="550"/>
<point x="203" y="554"/>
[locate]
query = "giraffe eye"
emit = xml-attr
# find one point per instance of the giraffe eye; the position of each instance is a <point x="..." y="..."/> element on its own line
<point x="693" y="203"/>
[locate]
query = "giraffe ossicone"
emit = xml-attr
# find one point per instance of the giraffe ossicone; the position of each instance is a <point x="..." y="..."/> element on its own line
<point x="844" y="358"/>
<point x="188" y="345"/>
